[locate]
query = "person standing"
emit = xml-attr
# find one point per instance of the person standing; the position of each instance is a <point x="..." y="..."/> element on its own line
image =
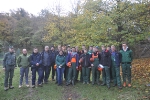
<point x="126" y="60"/>
<point x="23" y="62"/>
<point x="90" y="53"/>
<point x="95" y="60"/>
<point x="85" y="63"/>
<point x="36" y="66"/>
<point x="65" y="66"/>
<point x="111" y="77"/>
<point x="106" y="62"/>
<point x="115" y="59"/>
<point x="9" y="64"/>
<point x="77" y="74"/>
<point x="60" y="63"/>
<point x="73" y="59"/>
<point x="46" y="62"/>
<point x="53" y="57"/>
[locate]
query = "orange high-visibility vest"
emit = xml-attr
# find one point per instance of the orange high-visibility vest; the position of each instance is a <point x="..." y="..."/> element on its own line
<point x="73" y="60"/>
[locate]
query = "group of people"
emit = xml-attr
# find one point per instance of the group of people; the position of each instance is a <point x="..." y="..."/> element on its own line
<point x="68" y="62"/>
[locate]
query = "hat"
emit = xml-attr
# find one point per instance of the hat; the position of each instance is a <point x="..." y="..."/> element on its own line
<point x="11" y="47"/>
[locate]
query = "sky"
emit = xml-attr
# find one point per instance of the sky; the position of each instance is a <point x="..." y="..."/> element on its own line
<point x="35" y="6"/>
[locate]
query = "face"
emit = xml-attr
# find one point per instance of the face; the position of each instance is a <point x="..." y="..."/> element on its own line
<point x="85" y="51"/>
<point x="68" y="49"/>
<point x="63" y="48"/>
<point x="61" y="52"/>
<point x="59" y="47"/>
<point x="73" y="50"/>
<point x="108" y="48"/>
<point x="24" y="51"/>
<point x="52" y="48"/>
<point x="35" y="50"/>
<point x="124" y="46"/>
<point x="91" y="48"/>
<point x="11" y="50"/>
<point x="94" y="49"/>
<point x="113" y="48"/>
<point x="46" y="48"/>
<point x="83" y="47"/>
<point x="103" y="48"/>
<point x="76" y="48"/>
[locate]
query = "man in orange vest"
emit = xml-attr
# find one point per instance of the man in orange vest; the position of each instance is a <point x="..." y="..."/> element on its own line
<point x="73" y="59"/>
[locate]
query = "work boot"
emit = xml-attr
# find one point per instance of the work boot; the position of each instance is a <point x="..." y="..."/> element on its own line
<point x="124" y="84"/>
<point x="20" y="86"/>
<point x="114" y="85"/>
<point x="103" y="84"/>
<point x="33" y="86"/>
<point x="40" y="85"/>
<point x="6" y="88"/>
<point x="11" y="87"/>
<point x="27" y="85"/>
<point x="129" y="85"/>
<point x="120" y="87"/>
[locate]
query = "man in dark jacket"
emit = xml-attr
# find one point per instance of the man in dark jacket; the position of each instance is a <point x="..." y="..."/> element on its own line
<point x="46" y="62"/>
<point x="85" y="63"/>
<point x="36" y="66"/>
<point x="9" y="64"/>
<point x="53" y="57"/>
<point x="115" y="59"/>
<point x="126" y="60"/>
<point x="106" y="62"/>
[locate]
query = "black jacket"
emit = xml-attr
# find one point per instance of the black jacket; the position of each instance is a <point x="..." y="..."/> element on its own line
<point x="53" y="55"/>
<point x="105" y="58"/>
<point x="86" y="60"/>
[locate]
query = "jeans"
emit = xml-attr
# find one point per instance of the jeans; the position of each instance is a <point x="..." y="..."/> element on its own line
<point x="60" y="72"/>
<point x="40" y="73"/>
<point x="46" y="73"/>
<point x="22" y="72"/>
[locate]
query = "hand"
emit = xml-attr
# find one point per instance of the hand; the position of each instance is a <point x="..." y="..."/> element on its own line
<point x="92" y="65"/>
<point x="37" y="64"/>
<point x="77" y="68"/>
<point x="4" y="69"/>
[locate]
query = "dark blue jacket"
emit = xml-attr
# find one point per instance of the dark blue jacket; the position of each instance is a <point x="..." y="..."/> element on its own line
<point x="34" y="59"/>
<point x="49" y="57"/>
<point x="69" y="57"/>
<point x="116" y="58"/>
<point x="52" y="56"/>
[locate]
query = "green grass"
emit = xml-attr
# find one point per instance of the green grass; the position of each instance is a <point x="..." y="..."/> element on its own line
<point x="51" y="91"/>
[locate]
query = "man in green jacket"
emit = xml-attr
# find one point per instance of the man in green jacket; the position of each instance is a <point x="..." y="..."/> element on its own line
<point x="126" y="60"/>
<point x="23" y="62"/>
<point x="9" y="64"/>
